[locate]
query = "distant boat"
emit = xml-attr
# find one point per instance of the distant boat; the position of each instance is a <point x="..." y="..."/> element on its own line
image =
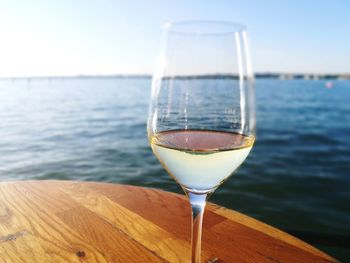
<point x="329" y="85"/>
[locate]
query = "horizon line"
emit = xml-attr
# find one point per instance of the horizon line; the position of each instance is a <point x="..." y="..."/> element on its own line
<point x="268" y="74"/>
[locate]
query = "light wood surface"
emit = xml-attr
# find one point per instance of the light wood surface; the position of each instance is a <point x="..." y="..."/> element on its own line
<point x="63" y="221"/>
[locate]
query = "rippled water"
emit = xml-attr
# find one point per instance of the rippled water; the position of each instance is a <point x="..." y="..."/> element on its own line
<point x="297" y="176"/>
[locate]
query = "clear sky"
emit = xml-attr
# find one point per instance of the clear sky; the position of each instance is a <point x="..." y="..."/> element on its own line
<point x="71" y="37"/>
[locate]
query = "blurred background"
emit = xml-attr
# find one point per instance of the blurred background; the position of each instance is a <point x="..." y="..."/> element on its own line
<point x="75" y="79"/>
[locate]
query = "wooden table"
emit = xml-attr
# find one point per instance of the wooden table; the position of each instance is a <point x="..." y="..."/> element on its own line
<point x="62" y="221"/>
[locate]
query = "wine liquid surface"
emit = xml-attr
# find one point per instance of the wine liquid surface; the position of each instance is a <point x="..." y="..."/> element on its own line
<point x="201" y="160"/>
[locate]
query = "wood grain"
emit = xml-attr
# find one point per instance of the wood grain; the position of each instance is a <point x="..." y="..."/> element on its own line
<point x="63" y="221"/>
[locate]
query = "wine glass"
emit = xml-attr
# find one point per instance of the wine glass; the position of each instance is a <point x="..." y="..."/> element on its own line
<point x="201" y="123"/>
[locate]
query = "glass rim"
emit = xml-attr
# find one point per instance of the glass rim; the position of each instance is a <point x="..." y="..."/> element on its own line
<point x="223" y="27"/>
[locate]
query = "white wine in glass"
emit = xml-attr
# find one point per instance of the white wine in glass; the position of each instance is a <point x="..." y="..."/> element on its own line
<point x="201" y="122"/>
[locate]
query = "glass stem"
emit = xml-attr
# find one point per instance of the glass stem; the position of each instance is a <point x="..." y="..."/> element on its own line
<point x="197" y="202"/>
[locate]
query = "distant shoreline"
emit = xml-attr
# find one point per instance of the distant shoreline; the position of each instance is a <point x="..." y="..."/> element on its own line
<point x="281" y="76"/>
